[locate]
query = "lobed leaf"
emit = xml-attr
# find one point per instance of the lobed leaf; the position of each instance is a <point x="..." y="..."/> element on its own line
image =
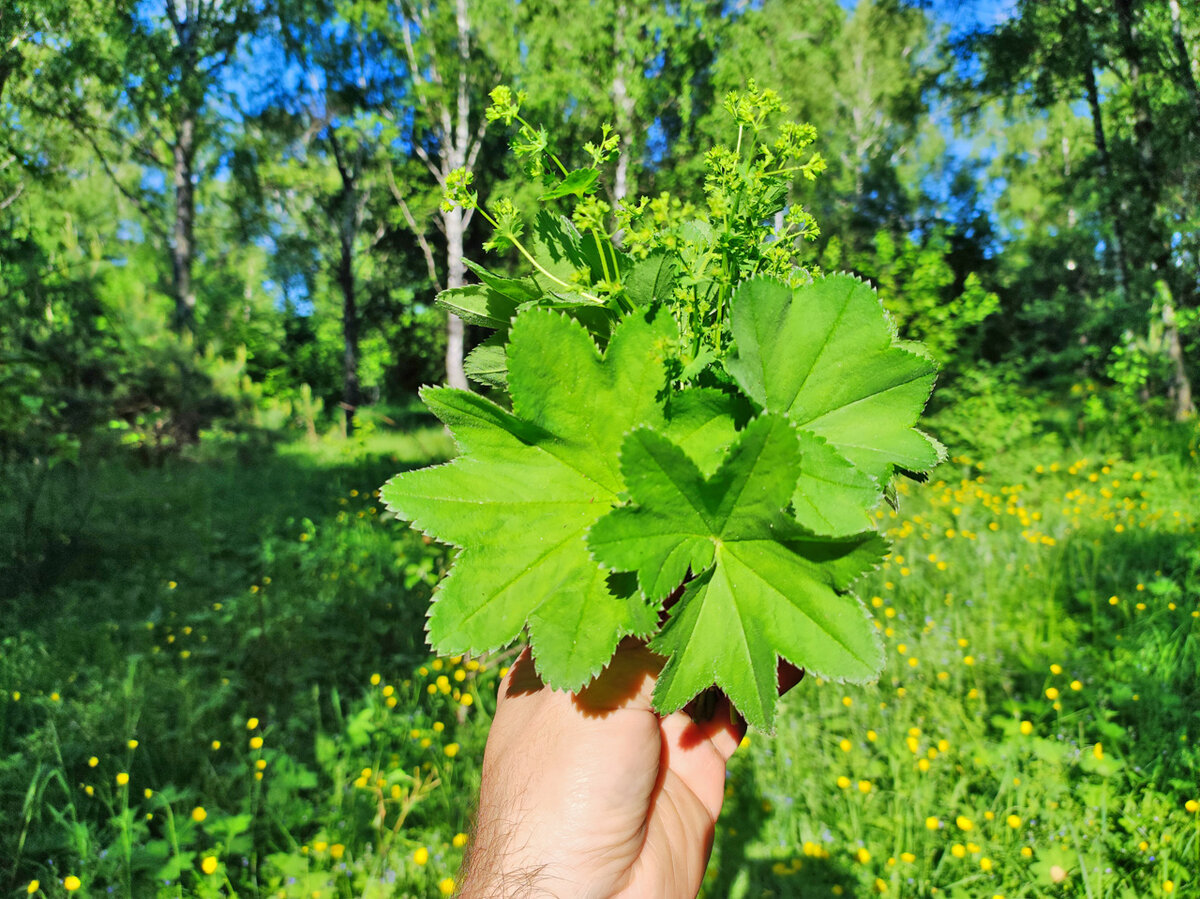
<point x="763" y="588"/>
<point x="826" y="354"/>
<point x="487" y="363"/>
<point x="527" y="485"/>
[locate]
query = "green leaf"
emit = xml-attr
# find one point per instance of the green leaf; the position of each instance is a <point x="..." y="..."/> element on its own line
<point x="554" y="243"/>
<point x="651" y="280"/>
<point x="528" y="484"/>
<point x="826" y="354"/>
<point x="599" y="320"/>
<point x="703" y="423"/>
<point x="762" y="587"/>
<point x="832" y="496"/>
<point x="520" y="290"/>
<point x="579" y="182"/>
<point x="558" y="247"/>
<point x="487" y="364"/>
<point x="479" y="305"/>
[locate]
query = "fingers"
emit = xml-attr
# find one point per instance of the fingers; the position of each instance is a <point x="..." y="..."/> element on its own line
<point x="787" y="675"/>
<point x="626" y="683"/>
<point x="522" y="677"/>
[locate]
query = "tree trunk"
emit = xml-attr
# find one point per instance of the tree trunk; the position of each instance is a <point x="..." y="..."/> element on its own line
<point x="182" y="243"/>
<point x="1180" y="390"/>
<point x="456" y="275"/>
<point x="623" y="106"/>
<point x="454" y="156"/>
<point x="345" y="277"/>
<point x="1186" y="78"/>
<point x="349" y="211"/>
<point x="1149" y="180"/>
<point x="1114" y="211"/>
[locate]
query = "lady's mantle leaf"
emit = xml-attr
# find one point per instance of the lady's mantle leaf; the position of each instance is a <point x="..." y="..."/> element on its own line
<point x="832" y="497"/>
<point x="826" y="355"/>
<point x="579" y="182"/>
<point x="527" y="486"/>
<point x="763" y="587"/>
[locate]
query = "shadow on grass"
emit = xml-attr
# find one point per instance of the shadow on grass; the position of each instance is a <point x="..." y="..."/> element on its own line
<point x="1146" y="641"/>
<point x="737" y="872"/>
<point x="267" y="582"/>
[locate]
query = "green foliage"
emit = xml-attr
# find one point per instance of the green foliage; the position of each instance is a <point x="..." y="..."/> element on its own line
<point x="566" y="443"/>
<point x="689" y="332"/>
<point x="826" y="355"/>
<point x="176" y="616"/>
<point x="932" y="304"/>
<point x="168" y="614"/>
<point x="761" y="586"/>
<point x="1032" y="718"/>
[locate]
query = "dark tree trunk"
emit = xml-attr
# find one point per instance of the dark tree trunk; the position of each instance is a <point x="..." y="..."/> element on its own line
<point x="1106" y="168"/>
<point x="346" y="282"/>
<point x="349" y="216"/>
<point x="1148" y="179"/>
<point x="182" y="240"/>
<point x="1184" y="61"/>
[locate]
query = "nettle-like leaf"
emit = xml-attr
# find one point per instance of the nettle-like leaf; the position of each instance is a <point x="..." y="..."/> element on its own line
<point x="826" y="354"/>
<point x="528" y="484"/>
<point x="762" y="587"/>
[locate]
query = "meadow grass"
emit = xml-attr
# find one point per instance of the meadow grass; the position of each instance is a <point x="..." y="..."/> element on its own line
<point x="219" y="686"/>
<point x="1035" y="729"/>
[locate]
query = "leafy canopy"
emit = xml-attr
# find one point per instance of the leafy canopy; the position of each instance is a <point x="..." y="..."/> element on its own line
<point x="690" y="434"/>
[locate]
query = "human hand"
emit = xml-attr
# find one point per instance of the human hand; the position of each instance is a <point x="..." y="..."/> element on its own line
<point x="594" y="794"/>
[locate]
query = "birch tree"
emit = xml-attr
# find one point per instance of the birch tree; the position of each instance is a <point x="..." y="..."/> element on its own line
<point x="136" y="84"/>
<point x="454" y="54"/>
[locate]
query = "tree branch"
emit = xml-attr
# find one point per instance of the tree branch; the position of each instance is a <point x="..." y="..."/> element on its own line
<point x="12" y="198"/>
<point x="422" y="240"/>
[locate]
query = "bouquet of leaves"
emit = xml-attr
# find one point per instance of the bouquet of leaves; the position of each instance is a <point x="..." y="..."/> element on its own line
<point x="686" y="434"/>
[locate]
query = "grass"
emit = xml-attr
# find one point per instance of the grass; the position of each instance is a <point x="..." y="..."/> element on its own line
<point x="215" y="683"/>
<point x="1035" y="731"/>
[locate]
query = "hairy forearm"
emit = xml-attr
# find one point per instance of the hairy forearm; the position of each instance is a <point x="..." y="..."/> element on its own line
<point x="489" y="871"/>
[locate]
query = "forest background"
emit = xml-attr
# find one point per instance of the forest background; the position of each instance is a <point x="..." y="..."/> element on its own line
<point x="220" y="242"/>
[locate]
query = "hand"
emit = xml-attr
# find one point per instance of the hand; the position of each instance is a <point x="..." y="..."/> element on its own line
<point x="594" y="794"/>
